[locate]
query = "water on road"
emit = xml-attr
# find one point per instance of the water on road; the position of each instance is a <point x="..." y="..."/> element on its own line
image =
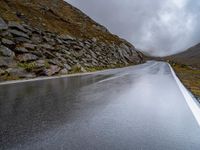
<point x="134" y="108"/>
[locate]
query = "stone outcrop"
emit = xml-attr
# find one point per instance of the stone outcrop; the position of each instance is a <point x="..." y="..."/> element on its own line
<point x="28" y="51"/>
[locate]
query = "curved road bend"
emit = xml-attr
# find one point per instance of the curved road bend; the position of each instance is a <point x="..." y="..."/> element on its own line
<point x="134" y="108"/>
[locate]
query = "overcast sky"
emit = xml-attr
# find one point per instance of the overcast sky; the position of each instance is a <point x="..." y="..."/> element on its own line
<point x="160" y="27"/>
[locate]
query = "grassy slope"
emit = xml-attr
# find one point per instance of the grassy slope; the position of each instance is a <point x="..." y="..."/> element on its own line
<point x="187" y="67"/>
<point x="60" y="17"/>
<point x="190" y="57"/>
<point x="190" y="78"/>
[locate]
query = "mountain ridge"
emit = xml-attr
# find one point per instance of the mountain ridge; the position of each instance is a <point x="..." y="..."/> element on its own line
<point x="189" y="57"/>
<point x="187" y="66"/>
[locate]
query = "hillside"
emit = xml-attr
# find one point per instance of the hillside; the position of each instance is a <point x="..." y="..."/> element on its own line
<point x="187" y="67"/>
<point x="190" y="57"/>
<point x="51" y="37"/>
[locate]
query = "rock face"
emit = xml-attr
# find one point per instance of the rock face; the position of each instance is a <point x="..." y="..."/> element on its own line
<point x="29" y="50"/>
<point x="27" y="57"/>
<point x="3" y="25"/>
<point x="53" y="69"/>
<point x="4" y="51"/>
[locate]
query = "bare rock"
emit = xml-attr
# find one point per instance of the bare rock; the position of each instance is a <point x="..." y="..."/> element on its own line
<point x="68" y="67"/>
<point x="19" y="72"/>
<point x="46" y="46"/>
<point x="29" y="46"/>
<point x="27" y="57"/>
<point x="52" y="70"/>
<point x="4" y="51"/>
<point x="59" y="41"/>
<point x="22" y="39"/>
<point x="21" y="50"/>
<point x="94" y="40"/>
<point x="5" y="33"/>
<point x="17" y="26"/>
<point x="64" y="71"/>
<point x="101" y="28"/>
<point x="48" y="54"/>
<point x="93" y="54"/>
<point x="28" y="27"/>
<point x="36" y="39"/>
<point x="40" y="63"/>
<point x="37" y="53"/>
<point x="79" y="68"/>
<point x="18" y="33"/>
<point x="55" y="62"/>
<point x="2" y="72"/>
<point x="3" y="25"/>
<point x="78" y="54"/>
<point x="66" y="37"/>
<point x="77" y="47"/>
<point x="7" y="62"/>
<point x="7" y="42"/>
<point x="49" y="40"/>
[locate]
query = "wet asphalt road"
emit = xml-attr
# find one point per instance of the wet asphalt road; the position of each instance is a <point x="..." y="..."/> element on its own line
<point x="135" y="108"/>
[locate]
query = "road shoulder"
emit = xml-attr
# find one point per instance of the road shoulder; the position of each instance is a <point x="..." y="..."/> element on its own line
<point x="194" y="107"/>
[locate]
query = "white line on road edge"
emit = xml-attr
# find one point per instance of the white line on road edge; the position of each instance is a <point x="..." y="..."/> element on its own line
<point x="111" y="78"/>
<point x="189" y="99"/>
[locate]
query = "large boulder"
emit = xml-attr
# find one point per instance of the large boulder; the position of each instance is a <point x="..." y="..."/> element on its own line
<point x="53" y="69"/>
<point x="78" y="68"/>
<point x="27" y="57"/>
<point x="4" y="51"/>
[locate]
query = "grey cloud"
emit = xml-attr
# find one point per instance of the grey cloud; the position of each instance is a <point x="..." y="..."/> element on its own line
<point x="157" y="27"/>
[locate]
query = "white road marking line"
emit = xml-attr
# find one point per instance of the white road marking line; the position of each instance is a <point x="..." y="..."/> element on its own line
<point x="111" y="78"/>
<point x="61" y="76"/>
<point x="49" y="78"/>
<point x="189" y="99"/>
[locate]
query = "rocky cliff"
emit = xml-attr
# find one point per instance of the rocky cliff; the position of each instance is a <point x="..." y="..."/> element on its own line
<point x="50" y="37"/>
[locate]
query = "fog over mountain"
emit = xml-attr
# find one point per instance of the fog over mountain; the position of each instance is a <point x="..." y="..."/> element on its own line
<point x="155" y="26"/>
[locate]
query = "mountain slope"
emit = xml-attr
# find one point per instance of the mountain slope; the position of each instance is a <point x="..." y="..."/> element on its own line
<point x="187" y="67"/>
<point x="190" y="57"/>
<point x="49" y="37"/>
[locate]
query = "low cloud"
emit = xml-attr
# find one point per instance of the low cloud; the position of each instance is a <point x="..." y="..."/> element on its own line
<point x="157" y="27"/>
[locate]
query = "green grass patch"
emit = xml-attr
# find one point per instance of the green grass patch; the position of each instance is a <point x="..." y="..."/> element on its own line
<point x="46" y="64"/>
<point x="27" y="66"/>
<point x="190" y="78"/>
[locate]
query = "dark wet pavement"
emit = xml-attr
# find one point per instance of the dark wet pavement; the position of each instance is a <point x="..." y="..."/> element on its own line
<point x="134" y="108"/>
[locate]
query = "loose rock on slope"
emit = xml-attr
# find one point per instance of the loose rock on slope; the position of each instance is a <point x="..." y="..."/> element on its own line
<point x="56" y="43"/>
